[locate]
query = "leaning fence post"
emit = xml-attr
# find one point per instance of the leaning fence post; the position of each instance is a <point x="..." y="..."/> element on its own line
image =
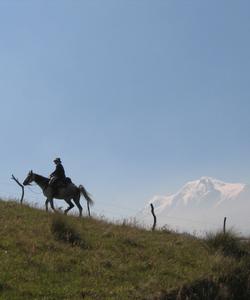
<point x="224" y="225"/>
<point x="154" y="216"/>
<point x="17" y="181"/>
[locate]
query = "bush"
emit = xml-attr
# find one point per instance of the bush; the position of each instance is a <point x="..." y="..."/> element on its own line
<point x="228" y="243"/>
<point x="65" y="231"/>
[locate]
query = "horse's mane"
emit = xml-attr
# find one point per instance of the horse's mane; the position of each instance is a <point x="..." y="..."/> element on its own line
<point x="41" y="178"/>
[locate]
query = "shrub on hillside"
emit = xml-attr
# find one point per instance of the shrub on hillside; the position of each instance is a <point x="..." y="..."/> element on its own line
<point x="228" y="243"/>
<point x="65" y="231"/>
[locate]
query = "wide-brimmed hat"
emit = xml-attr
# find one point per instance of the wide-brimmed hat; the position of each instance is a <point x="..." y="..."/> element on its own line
<point x="57" y="160"/>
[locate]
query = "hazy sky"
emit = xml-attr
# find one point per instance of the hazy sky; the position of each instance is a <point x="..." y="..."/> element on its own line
<point x="136" y="97"/>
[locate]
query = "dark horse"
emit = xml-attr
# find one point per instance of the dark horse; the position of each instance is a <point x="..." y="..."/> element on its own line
<point x="67" y="193"/>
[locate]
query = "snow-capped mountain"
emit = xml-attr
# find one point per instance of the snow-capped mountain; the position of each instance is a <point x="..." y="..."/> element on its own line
<point x="201" y="205"/>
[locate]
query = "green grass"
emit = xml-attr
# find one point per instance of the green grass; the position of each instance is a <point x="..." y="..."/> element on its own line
<point x="227" y="243"/>
<point x="51" y="256"/>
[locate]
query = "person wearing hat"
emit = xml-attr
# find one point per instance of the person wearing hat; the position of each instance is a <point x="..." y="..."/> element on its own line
<point x="59" y="174"/>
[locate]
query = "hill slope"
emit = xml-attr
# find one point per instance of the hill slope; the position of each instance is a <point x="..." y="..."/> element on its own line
<point x="50" y="256"/>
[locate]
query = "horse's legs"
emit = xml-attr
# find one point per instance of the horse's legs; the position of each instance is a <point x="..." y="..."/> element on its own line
<point x="71" y="205"/>
<point x="77" y="202"/>
<point x="52" y="204"/>
<point x="46" y="204"/>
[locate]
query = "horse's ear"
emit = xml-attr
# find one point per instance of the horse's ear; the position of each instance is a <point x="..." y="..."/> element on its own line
<point x="31" y="172"/>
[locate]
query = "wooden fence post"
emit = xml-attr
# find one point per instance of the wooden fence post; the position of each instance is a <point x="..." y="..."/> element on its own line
<point x="17" y="181"/>
<point x="154" y="216"/>
<point x="224" y="225"/>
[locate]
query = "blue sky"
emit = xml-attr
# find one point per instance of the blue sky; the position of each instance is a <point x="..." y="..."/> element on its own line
<point x="136" y="97"/>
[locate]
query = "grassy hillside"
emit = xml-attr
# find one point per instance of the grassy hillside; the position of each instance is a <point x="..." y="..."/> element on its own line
<point x="51" y="256"/>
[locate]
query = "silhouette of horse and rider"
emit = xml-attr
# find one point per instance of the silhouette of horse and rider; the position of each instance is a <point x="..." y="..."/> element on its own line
<point x="59" y="186"/>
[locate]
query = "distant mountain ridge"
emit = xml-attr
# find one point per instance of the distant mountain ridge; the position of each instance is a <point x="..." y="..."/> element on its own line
<point x="206" y="199"/>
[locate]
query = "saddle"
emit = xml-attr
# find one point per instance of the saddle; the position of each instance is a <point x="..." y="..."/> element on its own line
<point x="58" y="183"/>
<point x="63" y="183"/>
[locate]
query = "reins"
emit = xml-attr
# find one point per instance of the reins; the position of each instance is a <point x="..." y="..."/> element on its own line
<point x="37" y="193"/>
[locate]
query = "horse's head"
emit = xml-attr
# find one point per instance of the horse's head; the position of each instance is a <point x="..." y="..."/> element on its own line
<point x="29" y="178"/>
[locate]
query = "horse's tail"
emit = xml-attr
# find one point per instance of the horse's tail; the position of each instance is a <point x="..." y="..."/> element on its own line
<point x="86" y="194"/>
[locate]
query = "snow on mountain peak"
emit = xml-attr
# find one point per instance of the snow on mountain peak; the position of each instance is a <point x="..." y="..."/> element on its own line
<point x="205" y="199"/>
<point x="198" y="191"/>
<point x="206" y="185"/>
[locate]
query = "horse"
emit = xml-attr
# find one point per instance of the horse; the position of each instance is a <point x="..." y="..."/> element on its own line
<point x="67" y="193"/>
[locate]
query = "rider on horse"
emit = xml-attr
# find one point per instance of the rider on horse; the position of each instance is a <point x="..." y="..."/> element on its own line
<point x="58" y="176"/>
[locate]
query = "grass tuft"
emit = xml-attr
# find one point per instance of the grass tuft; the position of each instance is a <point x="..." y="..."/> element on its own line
<point x="228" y="243"/>
<point x="66" y="231"/>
